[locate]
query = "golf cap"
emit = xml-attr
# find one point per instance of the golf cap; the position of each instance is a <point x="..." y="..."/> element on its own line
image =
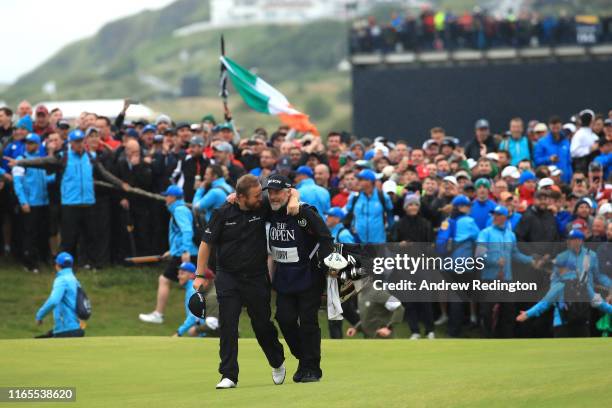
<point x="545" y="182"/>
<point x="570" y="127"/>
<point x="449" y="142"/>
<point x="336" y="212"/>
<point x="389" y="186"/>
<point x="462" y="174"/>
<point x="42" y="109"/>
<point x="500" y="210"/>
<point x="173" y="191"/>
<point x="224" y="126"/>
<point x="595" y="166"/>
<point x="608" y="122"/>
<point x="526" y="176"/>
<point x="64" y="259"/>
<point x="540" y="127"/>
<point x="91" y="130"/>
<point x="197" y="305"/>
<point x="305" y="170"/>
<point x="554" y="171"/>
<point x="25" y="123"/>
<point x="461" y="201"/>
<point x="471" y="163"/>
<point x="223" y="147"/>
<point x="576" y="234"/>
<point x="76" y="135"/>
<point x="492" y="156"/>
<point x="369" y="155"/>
<point x="511" y="171"/>
<point x="63" y="124"/>
<point x="131" y="132"/>
<point x="367" y="174"/>
<point x="428" y="144"/>
<point x="187" y="267"/>
<point x="451" y="179"/>
<point x="209" y="118"/>
<point x="182" y="125"/>
<point x="482" y="124"/>
<point x="163" y="119"/>
<point x="32" y="138"/>
<point x="468" y="186"/>
<point x="196" y="127"/>
<point x="197" y="141"/>
<point x="149" y="128"/>
<point x="482" y="182"/>
<point x="605" y="209"/>
<point x="277" y="182"/>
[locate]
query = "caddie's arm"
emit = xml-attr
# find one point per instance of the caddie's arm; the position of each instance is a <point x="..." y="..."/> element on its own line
<point x="203" y="256"/>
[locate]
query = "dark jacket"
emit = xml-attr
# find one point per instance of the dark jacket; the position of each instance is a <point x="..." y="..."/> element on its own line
<point x="472" y="149"/>
<point x="537" y="226"/>
<point x="413" y="229"/>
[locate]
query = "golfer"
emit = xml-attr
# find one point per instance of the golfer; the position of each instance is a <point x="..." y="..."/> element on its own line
<point x="237" y="233"/>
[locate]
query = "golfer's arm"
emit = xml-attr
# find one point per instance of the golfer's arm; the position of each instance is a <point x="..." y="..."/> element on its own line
<point x="203" y="255"/>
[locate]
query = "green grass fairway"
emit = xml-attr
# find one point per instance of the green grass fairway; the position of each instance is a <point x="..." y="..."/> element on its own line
<point x="175" y="372"/>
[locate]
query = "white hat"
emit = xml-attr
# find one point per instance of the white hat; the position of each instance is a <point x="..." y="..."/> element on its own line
<point x="389" y="186"/>
<point x="545" y="182"/>
<point x="570" y="126"/>
<point x="388" y="171"/>
<point x="492" y="156"/>
<point x="471" y="163"/>
<point x="163" y="119"/>
<point x="540" y="127"/>
<point x="451" y="179"/>
<point x="605" y="209"/>
<point x="384" y="149"/>
<point x="554" y="171"/>
<point x="511" y="171"/>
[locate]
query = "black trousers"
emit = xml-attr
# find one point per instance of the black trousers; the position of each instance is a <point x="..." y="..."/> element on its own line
<point x="419" y="312"/>
<point x="497" y="319"/>
<point x="69" y="333"/>
<point x="297" y="315"/>
<point x="78" y="229"/>
<point x="35" y="236"/>
<point x="102" y="231"/>
<point x="572" y="330"/>
<point x="253" y="291"/>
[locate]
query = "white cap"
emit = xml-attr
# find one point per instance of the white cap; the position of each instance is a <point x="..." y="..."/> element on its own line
<point x="605" y="209"/>
<point x="471" y="163"/>
<point x="388" y="171"/>
<point x="389" y="186"/>
<point x="570" y="126"/>
<point x="381" y="147"/>
<point x="545" y="182"/>
<point x="554" y="171"/>
<point x="511" y="171"/>
<point x="540" y="127"/>
<point x="492" y="156"/>
<point x="451" y="179"/>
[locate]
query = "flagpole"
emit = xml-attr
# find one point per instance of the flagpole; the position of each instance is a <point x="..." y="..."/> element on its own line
<point x="223" y="93"/>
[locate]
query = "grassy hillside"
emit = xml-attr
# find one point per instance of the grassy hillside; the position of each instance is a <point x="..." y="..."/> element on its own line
<point x="163" y="372"/>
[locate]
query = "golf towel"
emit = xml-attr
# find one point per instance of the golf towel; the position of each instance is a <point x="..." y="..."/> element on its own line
<point x="334" y="308"/>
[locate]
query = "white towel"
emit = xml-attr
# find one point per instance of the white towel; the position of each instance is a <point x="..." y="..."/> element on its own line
<point x="334" y="308"/>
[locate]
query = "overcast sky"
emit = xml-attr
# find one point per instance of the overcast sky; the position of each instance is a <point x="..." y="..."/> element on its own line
<point x="34" y="30"/>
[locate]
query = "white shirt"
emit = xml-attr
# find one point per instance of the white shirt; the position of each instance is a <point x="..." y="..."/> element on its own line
<point x="582" y="141"/>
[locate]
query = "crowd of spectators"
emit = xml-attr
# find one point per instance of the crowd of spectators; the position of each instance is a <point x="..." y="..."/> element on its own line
<point x="444" y="30"/>
<point x="87" y="187"/>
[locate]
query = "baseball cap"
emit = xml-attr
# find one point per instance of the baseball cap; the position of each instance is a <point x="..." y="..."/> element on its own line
<point x="526" y="176"/>
<point x="32" y="138"/>
<point x="197" y="305"/>
<point x="173" y="191"/>
<point x="367" y="174"/>
<point x="209" y="118"/>
<point x="570" y="127"/>
<point x="492" y="156"/>
<point x="91" y="130"/>
<point x="554" y="171"/>
<point x="42" y="109"/>
<point x="224" y="126"/>
<point x="575" y="234"/>
<point x="540" y="127"/>
<point x="595" y="166"/>
<point x="149" y="128"/>
<point x="608" y="122"/>
<point x="481" y="124"/>
<point x="163" y="119"/>
<point x="181" y="125"/>
<point x="62" y="124"/>
<point x="511" y="171"/>
<point x="336" y="212"/>
<point x="461" y="201"/>
<point x="277" y="182"/>
<point x="369" y="155"/>
<point x="25" y="123"/>
<point x="471" y="163"/>
<point x="482" y="182"/>
<point x="389" y="186"/>
<point x="462" y="174"/>
<point x="188" y="267"/>
<point x="197" y="140"/>
<point x="76" y="135"/>
<point x="224" y="147"/>
<point x="500" y="210"/>
<point x="131" y="132"/>
<point x="505" y="196"/>
<point x="305" y="170"/>
<point x="605" y="209"/>
<point x="64" y="259"/>
<point x="451" y="179"/>
<point x="545" y="182"/>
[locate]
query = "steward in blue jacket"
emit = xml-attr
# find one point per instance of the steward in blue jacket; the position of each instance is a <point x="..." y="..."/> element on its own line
<point x="338" y="231"/>
<point x="214" y="195"/>
<point x="31" y="190"/>
<point x="62" y="301"/>
<point x="310" y="192"/>
<point x="554" y="149"/>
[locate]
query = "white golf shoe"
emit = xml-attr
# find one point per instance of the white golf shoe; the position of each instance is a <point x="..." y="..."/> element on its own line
<point x="278" y="374"/>
<point x="415" y="336"/>
<point x="441" y="320"/>
<point x="225" y="384"/>
<point x="153" y="317"/>
<point x="431" y="335"/>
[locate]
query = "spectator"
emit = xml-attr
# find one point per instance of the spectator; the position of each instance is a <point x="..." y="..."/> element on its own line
<point x="482" y="206"/>
<point x="554" y="149"/>
<point x="584" y="142"/>
<point x="212" y="192"/>
<point x="190" y="171"/>
<point x="516" y="143"/>
<point x="482" y="143"/>
<point x="311" y="193"/>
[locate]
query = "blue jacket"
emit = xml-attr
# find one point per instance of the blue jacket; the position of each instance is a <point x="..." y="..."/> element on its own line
<point x="563" y="218"/>
<point x="481" y="211"/>
<point x="13" y="150"/>
<point x="213" y="198"/>
<point x="463" y="231"/>
<point x="548" y="146"/>
<point x="496" y="243"/>
<point x="77" y="186"/>
<point x="180" y="230"/>
<point x="606" y="162"/>
<point x="30" y="184"/>
<point x="341" y="234"/>
<point x="190" y="319"/>
<point x="511" y="223"/>
<point x="315" y="195"/>
<point x="63" y="302"/>
<point x="518" y="149"/>
<point x="369" y="216"/>
<point x="573" y="262"/>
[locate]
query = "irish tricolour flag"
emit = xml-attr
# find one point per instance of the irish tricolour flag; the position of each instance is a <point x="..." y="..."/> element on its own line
<point x="262" y="97"/>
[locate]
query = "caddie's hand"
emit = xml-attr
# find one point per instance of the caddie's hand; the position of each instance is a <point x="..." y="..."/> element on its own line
<point x="197" y="282"/>
<point x="351" y="331"/>
<point x="25" y="208"/>
<point x="231" y="198"/>
<point x="383" y="332"/>
<point x="522" y="316"/>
